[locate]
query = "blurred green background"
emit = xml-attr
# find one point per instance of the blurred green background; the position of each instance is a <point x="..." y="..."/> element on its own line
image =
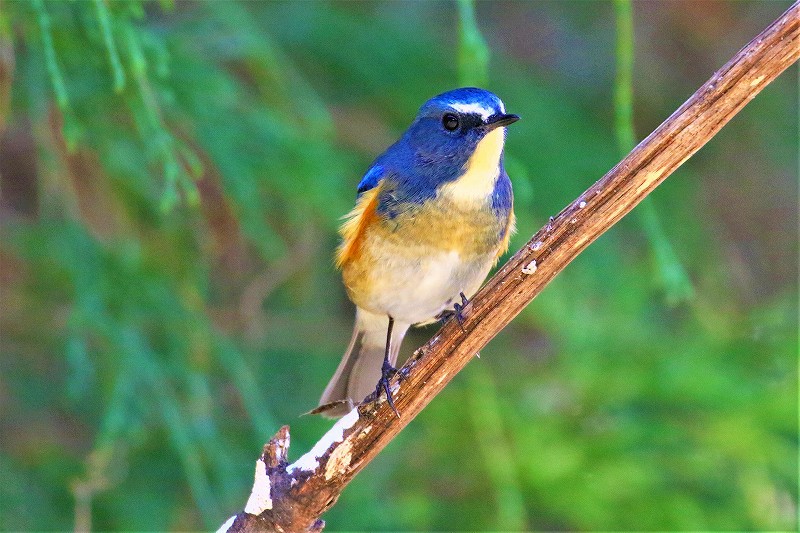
<point x="172" y="180"/>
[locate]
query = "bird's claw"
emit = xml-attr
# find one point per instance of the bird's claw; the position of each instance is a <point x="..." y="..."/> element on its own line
<point x="459" y="308"/>
<point x="456" y="312"/>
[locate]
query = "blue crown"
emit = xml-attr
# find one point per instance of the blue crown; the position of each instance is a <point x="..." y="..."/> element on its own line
<point x="467" y="100"/>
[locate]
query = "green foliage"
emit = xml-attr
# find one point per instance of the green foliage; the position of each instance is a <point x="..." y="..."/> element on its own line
<point x="169" y="299"/>
<point x="673" y="277"/>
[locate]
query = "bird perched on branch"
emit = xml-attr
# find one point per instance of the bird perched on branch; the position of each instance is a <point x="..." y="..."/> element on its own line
<point x="433" y="215"/>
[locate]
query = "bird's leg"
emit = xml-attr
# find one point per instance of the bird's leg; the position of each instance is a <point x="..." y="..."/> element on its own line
<point x="387" y="371"/>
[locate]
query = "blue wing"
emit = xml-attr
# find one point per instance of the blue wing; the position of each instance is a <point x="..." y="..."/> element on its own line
<point x="371" y="178"/>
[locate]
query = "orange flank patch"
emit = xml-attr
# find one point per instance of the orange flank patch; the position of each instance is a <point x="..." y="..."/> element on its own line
<point x="355" y="226"/>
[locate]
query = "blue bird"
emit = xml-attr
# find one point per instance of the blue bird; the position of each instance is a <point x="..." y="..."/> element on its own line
<point x="432" y="216"/>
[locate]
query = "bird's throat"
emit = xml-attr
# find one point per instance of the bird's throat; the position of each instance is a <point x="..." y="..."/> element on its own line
<point x="477" y="182"/>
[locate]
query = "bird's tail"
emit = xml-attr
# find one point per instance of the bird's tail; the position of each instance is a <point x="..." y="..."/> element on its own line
<point x="360" y="369"/>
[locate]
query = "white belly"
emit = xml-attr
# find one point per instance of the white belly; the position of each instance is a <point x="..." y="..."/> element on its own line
<point x="415" y="291"/>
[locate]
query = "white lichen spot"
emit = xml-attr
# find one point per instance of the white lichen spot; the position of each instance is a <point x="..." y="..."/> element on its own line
<point x="574" y="220"/>
<point x="260" y="499"/>
<point x="227" y="525"/>
<point x="582" y="205"/>
<point x="530" y="268"/>
<point x="310" y="461"/>
<point x="536" y="245"/>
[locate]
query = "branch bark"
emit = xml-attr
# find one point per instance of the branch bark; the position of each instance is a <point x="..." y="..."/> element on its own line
<point x="293" y="497"/>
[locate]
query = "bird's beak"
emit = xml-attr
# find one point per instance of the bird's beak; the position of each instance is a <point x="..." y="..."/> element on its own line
<point x="499" y="119"/>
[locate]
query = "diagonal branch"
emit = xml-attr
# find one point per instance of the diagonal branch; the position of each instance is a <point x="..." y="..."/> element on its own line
<point x="293" y="497"/>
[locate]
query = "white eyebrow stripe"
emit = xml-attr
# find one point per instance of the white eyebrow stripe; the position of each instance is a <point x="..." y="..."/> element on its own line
<point x="462" y="107"/>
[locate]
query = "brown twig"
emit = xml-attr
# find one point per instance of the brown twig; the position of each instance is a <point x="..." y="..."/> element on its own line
<point x="298" y="494"/>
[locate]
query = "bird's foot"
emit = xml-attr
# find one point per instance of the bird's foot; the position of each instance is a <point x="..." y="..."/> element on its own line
<point x="459" y="308"/>
<point x="387" y="373"/>
<point x="456" y="312"/>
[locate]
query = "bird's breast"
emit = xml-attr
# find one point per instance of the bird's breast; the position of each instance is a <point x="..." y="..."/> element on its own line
<point x="441" y="223"/>
<point x="437" y="245"/>
<point x="412" y="265"/>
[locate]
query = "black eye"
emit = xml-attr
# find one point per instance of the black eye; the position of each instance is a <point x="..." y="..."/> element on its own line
<point x="450" y="121"/>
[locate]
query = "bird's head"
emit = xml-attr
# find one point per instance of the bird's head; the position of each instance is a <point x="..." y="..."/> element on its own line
<point x="450" y="127"/>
